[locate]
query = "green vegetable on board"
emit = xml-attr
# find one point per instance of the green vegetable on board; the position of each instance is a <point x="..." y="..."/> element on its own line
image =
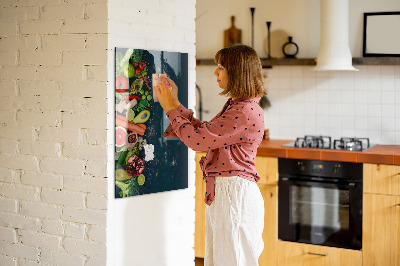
<point x="136" y="86"/>
<point x="141" y="179"/>
<point x="142" y="104"/>
<point x="129" y="70"/>
<point x="122" y="156"/>
<point x="128" y="187"/>
<point x="142" y="117"/>
<point x="136" y="56"/>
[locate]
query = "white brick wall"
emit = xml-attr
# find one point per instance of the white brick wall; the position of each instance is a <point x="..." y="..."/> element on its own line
<point x="53" y="73"/>
<point x="55" y="133"/>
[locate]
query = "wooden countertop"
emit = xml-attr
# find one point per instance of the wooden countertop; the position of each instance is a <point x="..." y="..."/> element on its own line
<point x="379" y="154"/>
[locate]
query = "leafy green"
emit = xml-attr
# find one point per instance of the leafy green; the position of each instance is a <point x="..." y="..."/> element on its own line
<point x="141" y="105"/>
<point x="137" y="55"/>
<point x="128" y="187"/>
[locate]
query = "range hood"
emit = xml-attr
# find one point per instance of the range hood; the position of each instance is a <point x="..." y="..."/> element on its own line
<point x="334" y="51"/>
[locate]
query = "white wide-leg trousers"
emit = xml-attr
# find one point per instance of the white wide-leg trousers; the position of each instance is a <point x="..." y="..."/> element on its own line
<point x="234" y="223"/>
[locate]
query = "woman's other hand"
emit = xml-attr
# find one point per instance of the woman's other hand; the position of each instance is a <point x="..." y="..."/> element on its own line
<point x="165" y="93"/>
<point x="174" y="90"/>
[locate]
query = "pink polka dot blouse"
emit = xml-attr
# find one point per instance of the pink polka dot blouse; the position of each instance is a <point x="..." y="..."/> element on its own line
<point x="231" y="139"/>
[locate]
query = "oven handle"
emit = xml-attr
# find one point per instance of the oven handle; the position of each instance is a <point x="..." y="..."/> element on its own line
<point x="297" y="181"/>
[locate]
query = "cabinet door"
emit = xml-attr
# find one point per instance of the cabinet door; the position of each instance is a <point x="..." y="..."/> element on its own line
<point x="200" y="207"/>
<point x="270" y="233"/>
<point x="297" y="254"/>
<point x="381" y="179"/>
<point x="381" y="230"/>
<point x="267" y="168"/>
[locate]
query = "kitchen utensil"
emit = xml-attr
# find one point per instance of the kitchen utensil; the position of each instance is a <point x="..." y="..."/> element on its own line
<point x="269" y="38"/>
<point x="232" y="35"/>
<point x="252" y="9"/>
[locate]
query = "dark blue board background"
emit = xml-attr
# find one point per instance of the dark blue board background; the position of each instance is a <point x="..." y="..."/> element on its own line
<point x="169" y="168"/>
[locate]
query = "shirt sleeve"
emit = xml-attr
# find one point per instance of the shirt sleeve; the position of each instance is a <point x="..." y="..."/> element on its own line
<point x="227" y="129"/>
<point x="186" y="113"/>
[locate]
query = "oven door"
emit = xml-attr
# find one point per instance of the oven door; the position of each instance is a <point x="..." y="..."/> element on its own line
<point x="320" y="212"/>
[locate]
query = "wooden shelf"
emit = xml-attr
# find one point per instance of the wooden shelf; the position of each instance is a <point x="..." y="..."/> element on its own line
<point x="288" y="62"/>
<point x="312" y="61"/>
<point x="376" y="61"/>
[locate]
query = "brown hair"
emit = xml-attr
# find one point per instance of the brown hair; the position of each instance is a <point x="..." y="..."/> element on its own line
<point x="245" y="78"/>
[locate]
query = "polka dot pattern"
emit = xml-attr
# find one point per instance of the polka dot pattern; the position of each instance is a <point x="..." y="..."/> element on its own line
<point x="231" y="139"/>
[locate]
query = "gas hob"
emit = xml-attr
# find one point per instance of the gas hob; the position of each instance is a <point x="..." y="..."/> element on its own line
<point x="325" y="142"/>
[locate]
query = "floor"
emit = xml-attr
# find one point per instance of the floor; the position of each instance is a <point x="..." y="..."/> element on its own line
<point x="199" y="262"/>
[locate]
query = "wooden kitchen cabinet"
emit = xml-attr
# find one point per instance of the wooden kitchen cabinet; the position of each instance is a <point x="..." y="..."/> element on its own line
<point x="200" y="207"/>
<point x="381" y="230"/>
<point x="381" y="215"/>
<point x="381" y="179"/>
<point x="298" y="254"/>
<point x="267" y="168"/>
<point x="270" y="233"/>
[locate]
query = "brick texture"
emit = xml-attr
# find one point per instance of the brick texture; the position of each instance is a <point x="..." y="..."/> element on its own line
<point x="53" y="55"/>
<point x="61" y="258"/>
<point x="34" y="239"/>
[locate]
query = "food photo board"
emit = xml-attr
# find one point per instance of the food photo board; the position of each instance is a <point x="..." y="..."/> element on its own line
<point x="145" y="162"/>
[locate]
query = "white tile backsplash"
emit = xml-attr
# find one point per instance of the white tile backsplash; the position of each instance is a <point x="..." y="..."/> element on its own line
<point x="364" y="103"/>
<point x="388" y="97"/>
<point x="374" y="97"/>
<point x="388" y="110"/>
<point x="374" y="110"/>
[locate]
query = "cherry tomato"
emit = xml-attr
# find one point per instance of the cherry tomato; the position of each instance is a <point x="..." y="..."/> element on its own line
<point x="142" y="65"/>
<point x="138" y="71"/>
<point x="136" y="65"/>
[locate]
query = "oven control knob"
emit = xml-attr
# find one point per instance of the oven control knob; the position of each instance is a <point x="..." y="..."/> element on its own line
<point x="336" y="169"/>
<point x="302" y="167"/>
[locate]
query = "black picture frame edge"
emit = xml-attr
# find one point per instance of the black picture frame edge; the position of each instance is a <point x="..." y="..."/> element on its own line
<point x="366" y="14"/>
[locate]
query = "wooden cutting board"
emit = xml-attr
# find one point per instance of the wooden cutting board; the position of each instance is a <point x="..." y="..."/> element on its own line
<point x="232" y="35"/>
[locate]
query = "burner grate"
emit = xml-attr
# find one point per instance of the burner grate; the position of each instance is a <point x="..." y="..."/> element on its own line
<point x="324" y="142"/>
<point x="351" y="144"/>
<point x="320" y="142"/>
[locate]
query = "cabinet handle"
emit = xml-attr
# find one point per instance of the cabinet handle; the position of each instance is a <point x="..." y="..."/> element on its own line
<point x="318" y="254"/>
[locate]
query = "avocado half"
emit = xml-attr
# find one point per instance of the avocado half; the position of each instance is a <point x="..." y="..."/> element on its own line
<point x="142" y="117"/>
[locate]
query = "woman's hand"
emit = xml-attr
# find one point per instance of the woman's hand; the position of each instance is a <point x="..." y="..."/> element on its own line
<point x="164" y="93"/>
<point x="174" y="90"/>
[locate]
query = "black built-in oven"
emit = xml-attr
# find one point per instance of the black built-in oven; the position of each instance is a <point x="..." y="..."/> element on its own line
<point x="320" y="202"/>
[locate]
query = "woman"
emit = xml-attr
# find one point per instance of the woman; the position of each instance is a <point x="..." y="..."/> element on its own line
<point x="235" y="207"/>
